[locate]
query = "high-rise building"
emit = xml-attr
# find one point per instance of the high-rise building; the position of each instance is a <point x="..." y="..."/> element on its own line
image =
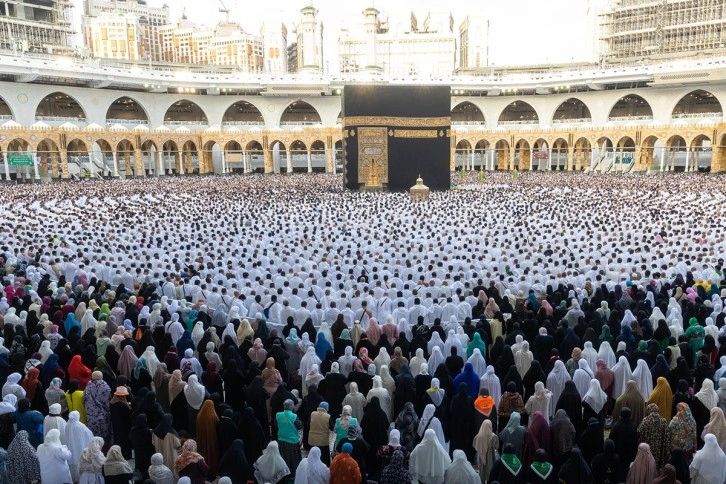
<point x="36" y="26"/>
<point x="634" y="30"/>
<point x="274" y="44"/>
<point x="309" y="33"/>
<point x="399" y="47"/>
<point x="104" y="20"/>
<point x="473" y="42"/>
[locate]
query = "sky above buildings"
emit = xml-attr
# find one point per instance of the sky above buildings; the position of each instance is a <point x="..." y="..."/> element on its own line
<point x="522" y="32"/>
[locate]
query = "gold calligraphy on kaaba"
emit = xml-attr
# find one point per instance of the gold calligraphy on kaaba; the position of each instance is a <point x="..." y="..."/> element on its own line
<point x="372" y="154"/>
<point x="415" y="133"/>
<point x="396" y="121"/>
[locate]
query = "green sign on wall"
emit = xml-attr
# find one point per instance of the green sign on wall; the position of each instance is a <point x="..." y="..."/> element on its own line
<point x="21" y="160"/>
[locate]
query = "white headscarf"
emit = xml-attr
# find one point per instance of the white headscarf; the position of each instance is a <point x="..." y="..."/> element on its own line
<point x="595" y="397"/>
<point x="709" y="463"/>
<point x="478" y="362"/>
<point x="589" y="354"/>
<point x="311" y="469"/>
<point x="523" y="359"/>
<point x="346" y="361"/>
<point x="78" y="436"/>
<point x="8" y="404"/>
<point x="435" y="342"/>
<point x="152" y="362"/>
<point x="195" y="392"/>
<point x="45" y="351"/>
<point x="460" y="470"/>
<point x="490" y="381"/>
<point x="623" y="375"/>
<point x="556" y="380"/>
<point x="435" y="359"/>
<point x="428" y="461"/>
<point x="643" y="379"/>
<point x="54" y="421"/>
<point x="383" y="359"/>
<point x="229" y="331"/>
<point x="270" y="467"/>
<point x="707" y="395"/>
<point x="197" y="333"/>
<point x="605" y="353"/>
<point x="452" y="342"/>
<point x="582" y="377"/>
<point x="415" y="364"/>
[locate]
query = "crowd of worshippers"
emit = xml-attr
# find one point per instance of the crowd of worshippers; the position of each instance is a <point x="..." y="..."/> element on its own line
<point x="602" y="369"/>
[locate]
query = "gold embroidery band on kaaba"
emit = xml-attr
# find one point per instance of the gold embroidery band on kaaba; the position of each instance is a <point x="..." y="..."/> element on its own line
<point x="395" y="121"/>
<point x="416" y="133"/>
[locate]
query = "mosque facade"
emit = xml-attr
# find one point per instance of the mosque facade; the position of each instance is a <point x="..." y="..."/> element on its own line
<point x="71" y="117"/>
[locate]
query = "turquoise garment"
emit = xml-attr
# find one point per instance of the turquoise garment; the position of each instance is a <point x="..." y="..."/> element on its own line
<point x="286" y="430"/>
<point x="342" y="433"/>
<point x="476" y="342"/>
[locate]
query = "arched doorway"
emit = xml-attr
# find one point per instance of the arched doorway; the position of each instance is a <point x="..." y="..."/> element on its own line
<point x="572" y="111"/>
<point x="540" y="155"/>
<point x="560" y="153"/>
<point x="701" y="154"/>
<point x="518" y="113"/>
<point x="151" y="163"/>
<point x="78" y="159"/>
<point x="721" y="155"/>
<point x="185" y="113"/>
<point x="126" y="158"/>
<point x="190" y="157"/>
<point x="698" y="104"/>
<point x="21" y="149"/>
<point x="242" y="113"/>
<point x="300" y="113"/>
<point x="6" y="113"/>
<point x="212" y="159"/>
<point x="466" y="113"/>
<point x="49" y="157"/>
<point x="255" y="157"/>
<point x="676" y="154"/>
<point x="648" y="156"/>
<point x="481" y="151"/>
<point x="603" y="154"/>
<point x="624" y="154"/>
<point x="58" y="108"/>
<point x="583" y="153"/>
<point x="126" y="112"/>
<point x="631" y="108"/>
<point x="522" y="155"/>
<point x="502" y="154"/>
<point x="280" y="156"/>
<point x="318" y="160"/>
<point x="298" y="157"/>
<point x="172" y="158"/>
<point x="233" y="157"/>
<point x="102" y="157"/>
<point x="462" y="157"/>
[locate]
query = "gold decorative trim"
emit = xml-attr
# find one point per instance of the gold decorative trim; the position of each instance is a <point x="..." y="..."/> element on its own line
<point x="372" y="154"/>
<point x="415" y="133"/>
<point x="396" y="121"/>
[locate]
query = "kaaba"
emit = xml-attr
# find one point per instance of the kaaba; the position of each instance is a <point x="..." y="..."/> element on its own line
<point x="394" y="134"/>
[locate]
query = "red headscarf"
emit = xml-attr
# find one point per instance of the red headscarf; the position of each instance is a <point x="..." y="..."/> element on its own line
<point x="78" y="371"/>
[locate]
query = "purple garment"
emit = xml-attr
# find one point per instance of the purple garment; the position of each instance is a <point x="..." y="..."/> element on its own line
<point x="96" y="398"/>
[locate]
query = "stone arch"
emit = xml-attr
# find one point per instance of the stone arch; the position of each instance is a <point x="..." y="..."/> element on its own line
<point x="278" y="152"/>
<point x="183" y="112"/>
<point x="462" y="154"/>
<point x="502" y="154"/>
<point x="648" y="151"/>
<point x="630" y="107"/>
<point x="467" y="112"/>
<point x="298" y="153"/>
<point x="299" y="113"/>
<point x="234" y="156"/>
<point x="697" y="104"/>
<point x="518" y="112"/>
<point x="582" y="154"/>
<point x="243" y="113"/>
<point x="540" y="155"/>
<point x="49" y="157"/>
<point x="522" y="155"/>
<point x="59" y="107"/>
<point x="560" y="154"/>
<point x="190" y="157"/>
<point x="720" y="157"/>
<point x="701" y="153"/>
<point x="126" y="110"/>
<point x="481" y="150"/>
<point x="172" y="157"/>
<point x="6" y="112"/>
<point x="125" y="153"/>
<point x="20" y="146"/>
<point x="572" y="110"/>
<point x="318" y="157"/>
<point x="150" y="157"/>
<point x="212" y="159"/>
<point x="255" y="156"/>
